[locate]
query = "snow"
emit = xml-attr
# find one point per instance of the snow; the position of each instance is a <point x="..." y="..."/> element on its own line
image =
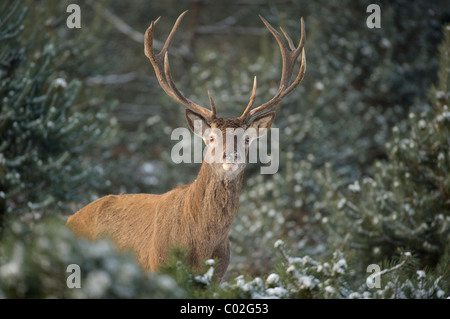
<point x="60" y="83"/>
<point x="330" y="290"/>
<point x="210" y="262"/>
<point x="420" y="274"/>
<point x="273" y="279"/>
<point x="422" y="124"/>
<point x="355" y="187"/>
<point x="148" y="168"/>
<point x="340" y="266"/>
<point x="354" y="295"/>
<point x="13" y="269"/>
<point x="278" y="243"/>
<point x="341" y="203"/>
<point x="290" y="269"/>
<point x="277" y="292"/>
<point x="319" y="86"/>
<point x="206" y="278"/>
<point x="97" y="282"/>
<point x="306" y="282"/>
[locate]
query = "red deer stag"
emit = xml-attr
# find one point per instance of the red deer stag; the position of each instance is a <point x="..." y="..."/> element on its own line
<point x="197" y="216"/>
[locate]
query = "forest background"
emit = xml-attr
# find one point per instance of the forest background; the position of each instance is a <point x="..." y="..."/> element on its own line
<point x="364" y="175"/>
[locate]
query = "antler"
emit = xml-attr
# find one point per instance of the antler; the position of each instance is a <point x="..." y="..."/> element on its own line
<point x="289" y="56"/>
<point x="160" y="63"/>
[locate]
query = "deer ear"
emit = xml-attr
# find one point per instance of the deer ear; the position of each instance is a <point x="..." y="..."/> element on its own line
<point x="197" y="123"/>
<point x="262" y="124"/>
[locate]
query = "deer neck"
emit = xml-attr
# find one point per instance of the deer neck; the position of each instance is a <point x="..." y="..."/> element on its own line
<point x="215" y="197"/>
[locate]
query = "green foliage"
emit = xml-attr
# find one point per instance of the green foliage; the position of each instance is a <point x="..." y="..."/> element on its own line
<point x="364" y="155"/>
<point x="196" y="283"/>
<point x="335" y="276"/>
<point x="405" y="203"/>
<point x="43" y="133"/>
<point x="273" y="207"/>
<point x="34" y="264"/>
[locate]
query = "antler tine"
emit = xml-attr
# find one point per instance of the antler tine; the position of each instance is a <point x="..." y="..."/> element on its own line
<point x="172" y="33"/>
<point x="251" y="101"/>
<point x="289" y="55"/>
<point x="161" y="65"/>
<point x="213" y="105"/>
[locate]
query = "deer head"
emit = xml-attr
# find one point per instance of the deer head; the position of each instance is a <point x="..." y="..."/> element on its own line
<point x="227" y="140"/>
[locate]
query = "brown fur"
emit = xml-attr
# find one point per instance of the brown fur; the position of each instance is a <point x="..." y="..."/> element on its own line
<point x="197" y="216"/>
<point x="222" y="124"/>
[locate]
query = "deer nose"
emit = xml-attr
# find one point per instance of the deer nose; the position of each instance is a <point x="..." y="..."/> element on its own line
<point x="231" y="157"/>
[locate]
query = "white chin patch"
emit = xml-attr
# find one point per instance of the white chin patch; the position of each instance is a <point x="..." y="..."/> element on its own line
<point x="230" y="166"/>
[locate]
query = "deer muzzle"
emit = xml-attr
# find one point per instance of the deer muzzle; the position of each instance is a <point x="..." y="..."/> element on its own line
<point x="231" y="160"/>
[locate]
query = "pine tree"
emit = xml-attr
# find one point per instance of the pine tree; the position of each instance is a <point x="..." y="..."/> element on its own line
<point x="405" y="204"/>
<point x="42" y="134"/>
<point x="37" y="261"/>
